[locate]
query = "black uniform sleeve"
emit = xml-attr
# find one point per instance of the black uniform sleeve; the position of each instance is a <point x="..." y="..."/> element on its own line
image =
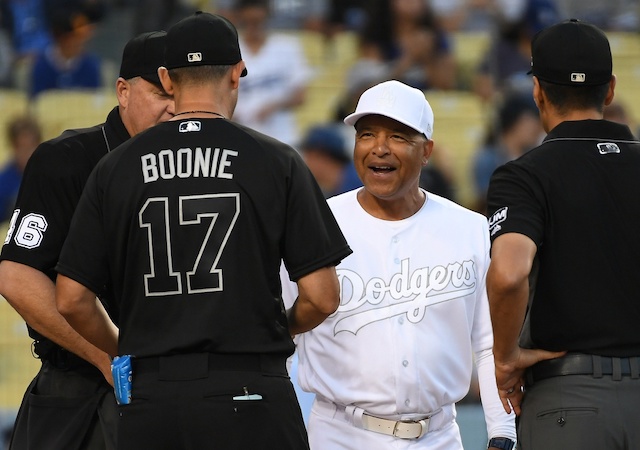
<point x="84" y="255"/>
<point x="48" y="195"/>
<point x="515" y="203"/>
<point x="312" y="238"/>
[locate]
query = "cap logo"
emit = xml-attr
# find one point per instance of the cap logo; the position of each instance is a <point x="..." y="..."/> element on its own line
<point x="194" y="57"/>
<point x="578" y="77"/>
<point x="387" y="99"/>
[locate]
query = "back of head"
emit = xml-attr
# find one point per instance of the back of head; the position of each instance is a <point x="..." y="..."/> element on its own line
<point x="573" y="62"/>
<point x="202" y="39"/>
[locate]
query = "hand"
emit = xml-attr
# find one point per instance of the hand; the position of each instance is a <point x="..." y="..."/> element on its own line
<point x="510" y="375"/>
<point x="105" y="367"/>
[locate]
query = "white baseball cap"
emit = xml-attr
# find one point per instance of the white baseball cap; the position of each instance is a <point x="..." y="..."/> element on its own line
<point x="397" y="101"/>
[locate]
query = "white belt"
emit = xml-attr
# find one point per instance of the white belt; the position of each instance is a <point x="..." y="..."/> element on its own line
<point x="402" y="429"/>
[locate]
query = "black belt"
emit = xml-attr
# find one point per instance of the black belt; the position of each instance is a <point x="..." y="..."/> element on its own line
<point x="582" y="364"/>
<point x="197" y="365"/>
<point x="57" y="356"/>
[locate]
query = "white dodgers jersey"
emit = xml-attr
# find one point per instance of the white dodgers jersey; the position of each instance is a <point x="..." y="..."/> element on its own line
<point x="413" y="311"/>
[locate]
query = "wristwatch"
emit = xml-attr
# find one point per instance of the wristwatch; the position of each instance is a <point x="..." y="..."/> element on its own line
<point x="501" y="443"/>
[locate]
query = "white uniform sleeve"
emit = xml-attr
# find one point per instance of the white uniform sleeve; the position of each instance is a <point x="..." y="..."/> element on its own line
<point x="289" y="288"/>
<point x="499" y="423"/>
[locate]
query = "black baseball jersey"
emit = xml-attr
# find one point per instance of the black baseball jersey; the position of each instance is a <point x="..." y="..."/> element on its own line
<point x="189" y="222"/>
<point x="576" y="196"/>
<point x="51" y="187"/>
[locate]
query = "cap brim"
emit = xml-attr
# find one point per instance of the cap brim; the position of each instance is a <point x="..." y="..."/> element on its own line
<point x="351" y="119"/>
<point x="151" y="78"/>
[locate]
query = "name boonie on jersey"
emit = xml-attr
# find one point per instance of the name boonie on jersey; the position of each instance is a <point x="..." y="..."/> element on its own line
<point x="186" y="163"/>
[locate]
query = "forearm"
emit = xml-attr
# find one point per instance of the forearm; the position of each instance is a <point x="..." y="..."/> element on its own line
<point x="86" y="315"/>
<point x="318" y="298"/>
<point x="508" y="307"/>
<point x="508" y="291"/>
<point x="32" y="294"/>
<point x="304" y="316"/>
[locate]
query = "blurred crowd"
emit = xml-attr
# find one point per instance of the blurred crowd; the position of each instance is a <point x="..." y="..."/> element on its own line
<point x="76" y="44"/>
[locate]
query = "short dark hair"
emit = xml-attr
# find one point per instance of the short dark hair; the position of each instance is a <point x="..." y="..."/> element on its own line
<point x="565" y="98"/>
<point x="199" y="74"/>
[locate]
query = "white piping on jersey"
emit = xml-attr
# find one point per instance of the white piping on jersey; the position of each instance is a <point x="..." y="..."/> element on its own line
<point x="624" y="141"/>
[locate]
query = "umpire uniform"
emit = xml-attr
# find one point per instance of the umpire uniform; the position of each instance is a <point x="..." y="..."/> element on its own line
<point x="69" y="404"/>
<point x="191" y="220"/>
<point x="576" y="197"/>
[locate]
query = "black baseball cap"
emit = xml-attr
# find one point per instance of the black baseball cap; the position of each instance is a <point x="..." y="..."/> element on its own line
<point x="202" y="39"/>
<point x="571" y="53"/>
<point x="143" y="55"/>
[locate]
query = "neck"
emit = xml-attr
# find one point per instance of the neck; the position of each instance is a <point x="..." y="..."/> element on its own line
<point x="199" y="113"/>
<point x="554" y="119"/>
<point x="391" y="209"/>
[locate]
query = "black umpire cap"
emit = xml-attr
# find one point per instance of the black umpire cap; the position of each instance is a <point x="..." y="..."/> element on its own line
<point x="143" y="55"/>
<point x="202" y="39"/>
<point x="572" y="53"/>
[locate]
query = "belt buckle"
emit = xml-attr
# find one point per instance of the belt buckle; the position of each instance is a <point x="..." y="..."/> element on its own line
<point x="424" y="427"/>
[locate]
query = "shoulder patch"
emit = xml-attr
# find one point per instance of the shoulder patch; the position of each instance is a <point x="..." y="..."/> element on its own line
<point x="30" y="232"/>
<point x="496" y="219"/>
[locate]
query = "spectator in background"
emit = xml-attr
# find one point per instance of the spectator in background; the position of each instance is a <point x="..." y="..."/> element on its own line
<point x="345" y="15"/>
<point x="323" y="149"/>
<point x="26" y="23"/>
<point x="404" y="38"/>
<point x="24" y="135"/>
<point x="613" y="15"/>
<point x="515" y="130"/>
<point x="151" y="15"/>
<point x="465" y="15"/>
<point x="285" y="14"/>
<point x="616" y="111"/>
<point x="437" y="181"/>
<point x="278" y="74"/>
<point x="508" y="59"/>
<point x="65" y="63"/>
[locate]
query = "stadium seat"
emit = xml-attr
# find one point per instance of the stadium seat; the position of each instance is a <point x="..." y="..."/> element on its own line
<point x="460" y="121"/>
<point x="58" y="110"/>
<point x="627" y="71"/>
<point x="469" y="47"/>
<point x="624" y="44"/>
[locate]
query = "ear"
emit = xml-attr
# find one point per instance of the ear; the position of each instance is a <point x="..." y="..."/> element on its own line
<point x="165" y="80"/>
<point x="236" y="73"/>
<point x="427" y="149"/>
<point x="610" y="93"/>
<point x="123" y="88"/>
<point x="538" y="98"/>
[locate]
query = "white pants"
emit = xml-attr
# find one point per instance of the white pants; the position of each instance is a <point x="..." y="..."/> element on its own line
<point x="329" y="430"/>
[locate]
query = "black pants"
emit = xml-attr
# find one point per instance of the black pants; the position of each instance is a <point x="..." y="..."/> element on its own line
<point x="66" y="409"/>
<point x="186" y="403"/>
<point x="585" y="412"/>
